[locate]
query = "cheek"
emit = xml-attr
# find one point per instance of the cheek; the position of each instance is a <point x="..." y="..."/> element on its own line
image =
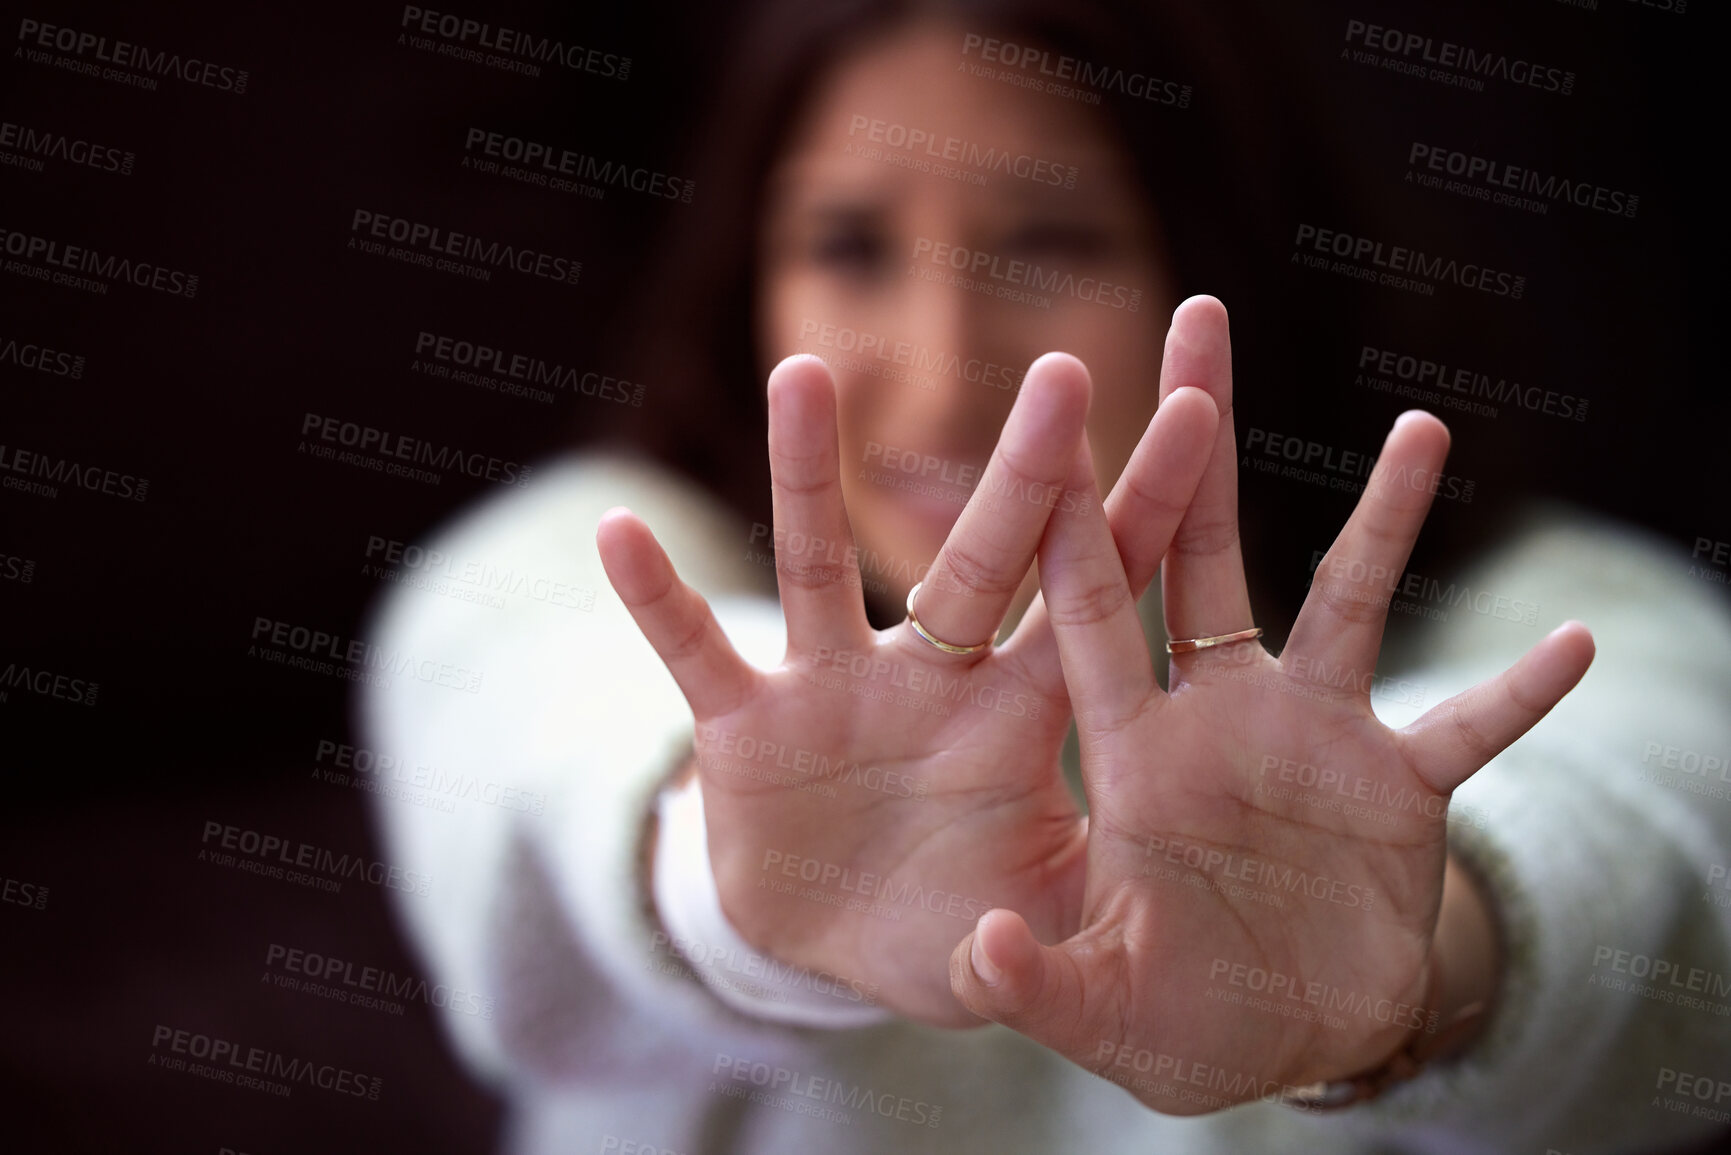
<point x="807" y="312"/>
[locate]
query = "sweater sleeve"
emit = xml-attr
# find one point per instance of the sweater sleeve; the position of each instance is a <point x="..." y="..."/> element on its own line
<point x="1604" y="836"/>
<point x="534" y="775"/>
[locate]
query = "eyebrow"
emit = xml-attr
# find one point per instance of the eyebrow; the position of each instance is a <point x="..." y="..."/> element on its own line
<point x="843" y="200"/>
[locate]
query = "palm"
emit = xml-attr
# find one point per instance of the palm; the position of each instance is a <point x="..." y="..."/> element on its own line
<point x="1240" y="822"/>
<point x="970" y="805"/>
<point x="1235" y="865"/>
<point x="909" y="789"/>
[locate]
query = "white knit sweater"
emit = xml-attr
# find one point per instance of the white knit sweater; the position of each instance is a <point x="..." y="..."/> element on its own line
<point x="1599" y="833"/>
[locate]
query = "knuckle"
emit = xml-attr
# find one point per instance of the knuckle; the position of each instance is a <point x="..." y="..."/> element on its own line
<point x="1090" y="605"/>
<point x="1021" y="478"/>
<point x="975" y="570"/>
<point x="792" y="573"/>
<point x="691" y="637"/>
<point x="1152" y="503"/>
<point x="1206" y="536"/>
<point x="1471" y="736"/>
<point x="1351" y="602"/>
<point x="805" y="475"/>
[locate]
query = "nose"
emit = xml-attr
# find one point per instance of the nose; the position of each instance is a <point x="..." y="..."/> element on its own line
<point x="969" y="344"/>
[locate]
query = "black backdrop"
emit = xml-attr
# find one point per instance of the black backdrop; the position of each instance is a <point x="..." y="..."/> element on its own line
<point x="140" y="602"/>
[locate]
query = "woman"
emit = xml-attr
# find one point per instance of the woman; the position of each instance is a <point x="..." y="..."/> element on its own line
<point x="877" y="840"/>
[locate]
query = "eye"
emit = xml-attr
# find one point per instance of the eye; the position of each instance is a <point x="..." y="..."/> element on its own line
<point x="1072" y="240"/>
<point x="850" y="249"/>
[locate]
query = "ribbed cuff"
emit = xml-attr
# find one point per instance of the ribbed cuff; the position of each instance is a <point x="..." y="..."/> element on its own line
<point x="745" y="979"/>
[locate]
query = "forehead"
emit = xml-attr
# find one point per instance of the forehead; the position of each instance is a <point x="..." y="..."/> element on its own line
<point x="903" y="113"/>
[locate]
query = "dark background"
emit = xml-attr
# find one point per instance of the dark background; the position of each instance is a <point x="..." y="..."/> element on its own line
<point x="154" y="601"/>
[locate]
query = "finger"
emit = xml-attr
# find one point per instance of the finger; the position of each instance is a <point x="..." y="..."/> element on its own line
<point x="1001" y="972"/>
<point x="1087" y="596"/>
<point x="1340" y="626"/>
<point x="816" y="567"/>
<point x="1202" y="581"/>
<point x="673" y="616"/>
<point x="1455" y="738"/>
<point x="982" y="563"/>
<point x="1143" y="511"/>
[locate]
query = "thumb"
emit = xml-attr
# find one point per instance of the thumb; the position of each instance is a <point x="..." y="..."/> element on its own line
<point x="1002" y="973"/>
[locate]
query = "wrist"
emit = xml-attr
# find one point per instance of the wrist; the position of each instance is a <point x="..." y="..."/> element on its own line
<point x="1463" y="975"/>
<point x="697" y="929"/>
<point x="1468" y="951"/>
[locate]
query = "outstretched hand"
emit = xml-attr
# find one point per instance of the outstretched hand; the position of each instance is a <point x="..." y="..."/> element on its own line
<point x="869" y="798"/>
<point x="1265" y="858"/>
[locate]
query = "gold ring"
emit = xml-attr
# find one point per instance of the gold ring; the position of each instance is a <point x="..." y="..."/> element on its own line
<point x="1186" y="645"/>
<point x="946" y="647"/>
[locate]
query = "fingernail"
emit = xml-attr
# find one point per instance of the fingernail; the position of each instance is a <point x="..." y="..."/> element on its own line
<point x="983" y="965"/>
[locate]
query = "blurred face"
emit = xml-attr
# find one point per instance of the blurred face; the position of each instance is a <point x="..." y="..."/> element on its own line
<point x="929" y="234"/>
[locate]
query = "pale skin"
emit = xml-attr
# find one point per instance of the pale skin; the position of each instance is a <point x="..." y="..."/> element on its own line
<point x="1129" y="952"/>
